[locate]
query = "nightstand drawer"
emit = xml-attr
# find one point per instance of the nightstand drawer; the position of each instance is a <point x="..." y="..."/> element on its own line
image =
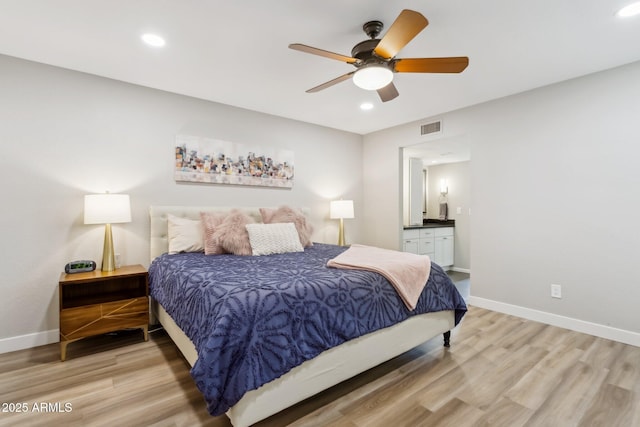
<point x="98" y="319"/>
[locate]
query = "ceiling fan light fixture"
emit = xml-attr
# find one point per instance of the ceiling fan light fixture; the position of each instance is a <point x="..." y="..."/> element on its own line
<point x="373" y="77"/>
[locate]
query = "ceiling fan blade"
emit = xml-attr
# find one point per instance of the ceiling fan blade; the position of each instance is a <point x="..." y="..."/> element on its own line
<point x="325" y="53"/>
<point x="331" y="82"/>
<point x="406" y="26"/>
<point x="388" y="92"/>
<point x="431" y="65"/>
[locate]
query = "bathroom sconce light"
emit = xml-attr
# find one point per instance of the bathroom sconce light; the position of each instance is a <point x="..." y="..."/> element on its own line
<point x="444" y="187"/>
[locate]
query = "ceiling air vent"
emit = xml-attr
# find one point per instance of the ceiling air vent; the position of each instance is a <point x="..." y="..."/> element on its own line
<point x="430" y="128"/>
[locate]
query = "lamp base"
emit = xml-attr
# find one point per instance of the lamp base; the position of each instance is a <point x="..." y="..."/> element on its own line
<point x="341" y="233"/>
<point x="108" y="256"/>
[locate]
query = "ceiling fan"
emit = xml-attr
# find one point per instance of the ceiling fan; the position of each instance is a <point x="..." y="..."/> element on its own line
<point x="375" y="59"/>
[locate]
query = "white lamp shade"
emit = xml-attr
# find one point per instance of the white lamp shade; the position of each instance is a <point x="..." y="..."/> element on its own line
<point x="341" y="209"/>
<point x="373" y="77"/>
<point x="106" y="208"/>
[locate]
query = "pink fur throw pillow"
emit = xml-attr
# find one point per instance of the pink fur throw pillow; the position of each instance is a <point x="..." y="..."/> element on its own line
<point x="232" y="233"/>
<point x="210" y="223"/>
<point x="288" y="214"/>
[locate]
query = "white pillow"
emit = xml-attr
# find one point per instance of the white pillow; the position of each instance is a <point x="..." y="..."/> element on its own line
<point x="185" y="235"/>
<point x="278" y="238"/>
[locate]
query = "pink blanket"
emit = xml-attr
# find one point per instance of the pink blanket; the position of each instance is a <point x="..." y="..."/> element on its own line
<point x="407" y="272"/>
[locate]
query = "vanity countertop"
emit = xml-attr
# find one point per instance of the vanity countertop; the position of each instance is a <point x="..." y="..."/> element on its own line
<point x="433" y="223"/>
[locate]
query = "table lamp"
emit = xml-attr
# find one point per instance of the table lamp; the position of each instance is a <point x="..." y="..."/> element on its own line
<point x="341" y="209"/>
<point x="107" y="209"/>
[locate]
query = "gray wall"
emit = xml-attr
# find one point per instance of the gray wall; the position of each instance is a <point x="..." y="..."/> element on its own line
<point x="65" y="134"/>
<point x="555" y="178"/>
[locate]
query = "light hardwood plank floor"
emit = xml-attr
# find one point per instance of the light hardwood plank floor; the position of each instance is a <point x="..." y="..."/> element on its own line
<point x="500" y="371"/>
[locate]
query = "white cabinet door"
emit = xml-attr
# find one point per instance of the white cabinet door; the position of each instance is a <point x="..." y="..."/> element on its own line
<point x="411" y="245"/>
<point x="411" y="241"/>
<point x="444" y="251"/>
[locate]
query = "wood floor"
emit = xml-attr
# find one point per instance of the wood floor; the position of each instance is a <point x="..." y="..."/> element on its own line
<point x="499" y="371"/>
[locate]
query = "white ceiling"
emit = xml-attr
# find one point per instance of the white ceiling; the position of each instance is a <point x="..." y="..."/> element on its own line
<point x="235" y="52"/>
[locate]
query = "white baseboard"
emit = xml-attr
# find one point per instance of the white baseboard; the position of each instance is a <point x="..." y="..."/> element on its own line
<point x="28" y="341"/>
<point x="602" y="331"/>
<point x="461" y="270"/>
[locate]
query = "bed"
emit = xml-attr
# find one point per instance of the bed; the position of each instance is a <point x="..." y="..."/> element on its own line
<point x="315" y="366"/>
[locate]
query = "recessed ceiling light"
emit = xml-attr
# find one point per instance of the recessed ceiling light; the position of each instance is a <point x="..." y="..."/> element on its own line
<point x="366" y="106"/>
<point x="629" y="10"/>
<point x="153" y="40"/>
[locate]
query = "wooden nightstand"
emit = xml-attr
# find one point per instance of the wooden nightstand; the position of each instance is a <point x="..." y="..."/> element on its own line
<point x="98" y="302"/>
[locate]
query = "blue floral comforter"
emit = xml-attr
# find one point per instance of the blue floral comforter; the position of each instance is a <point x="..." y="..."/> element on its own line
<point x="254" y="318"/>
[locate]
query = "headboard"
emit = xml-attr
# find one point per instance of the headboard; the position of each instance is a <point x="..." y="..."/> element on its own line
<point x="159" y="240"/>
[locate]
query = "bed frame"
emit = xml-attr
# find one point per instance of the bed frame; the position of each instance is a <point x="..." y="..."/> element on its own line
<point x="313" y="376"/>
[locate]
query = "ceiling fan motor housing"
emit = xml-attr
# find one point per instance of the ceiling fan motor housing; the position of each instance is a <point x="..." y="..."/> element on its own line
<point x="364" y="50"/>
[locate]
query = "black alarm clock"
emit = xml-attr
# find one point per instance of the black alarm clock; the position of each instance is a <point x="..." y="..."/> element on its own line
<point x="79" y="266"/>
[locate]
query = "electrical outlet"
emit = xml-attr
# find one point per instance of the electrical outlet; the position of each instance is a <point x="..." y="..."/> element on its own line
<point x="556" y="291"/>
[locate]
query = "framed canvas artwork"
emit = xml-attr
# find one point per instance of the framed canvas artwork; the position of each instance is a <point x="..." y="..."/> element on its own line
<point x="214" y="161"/>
